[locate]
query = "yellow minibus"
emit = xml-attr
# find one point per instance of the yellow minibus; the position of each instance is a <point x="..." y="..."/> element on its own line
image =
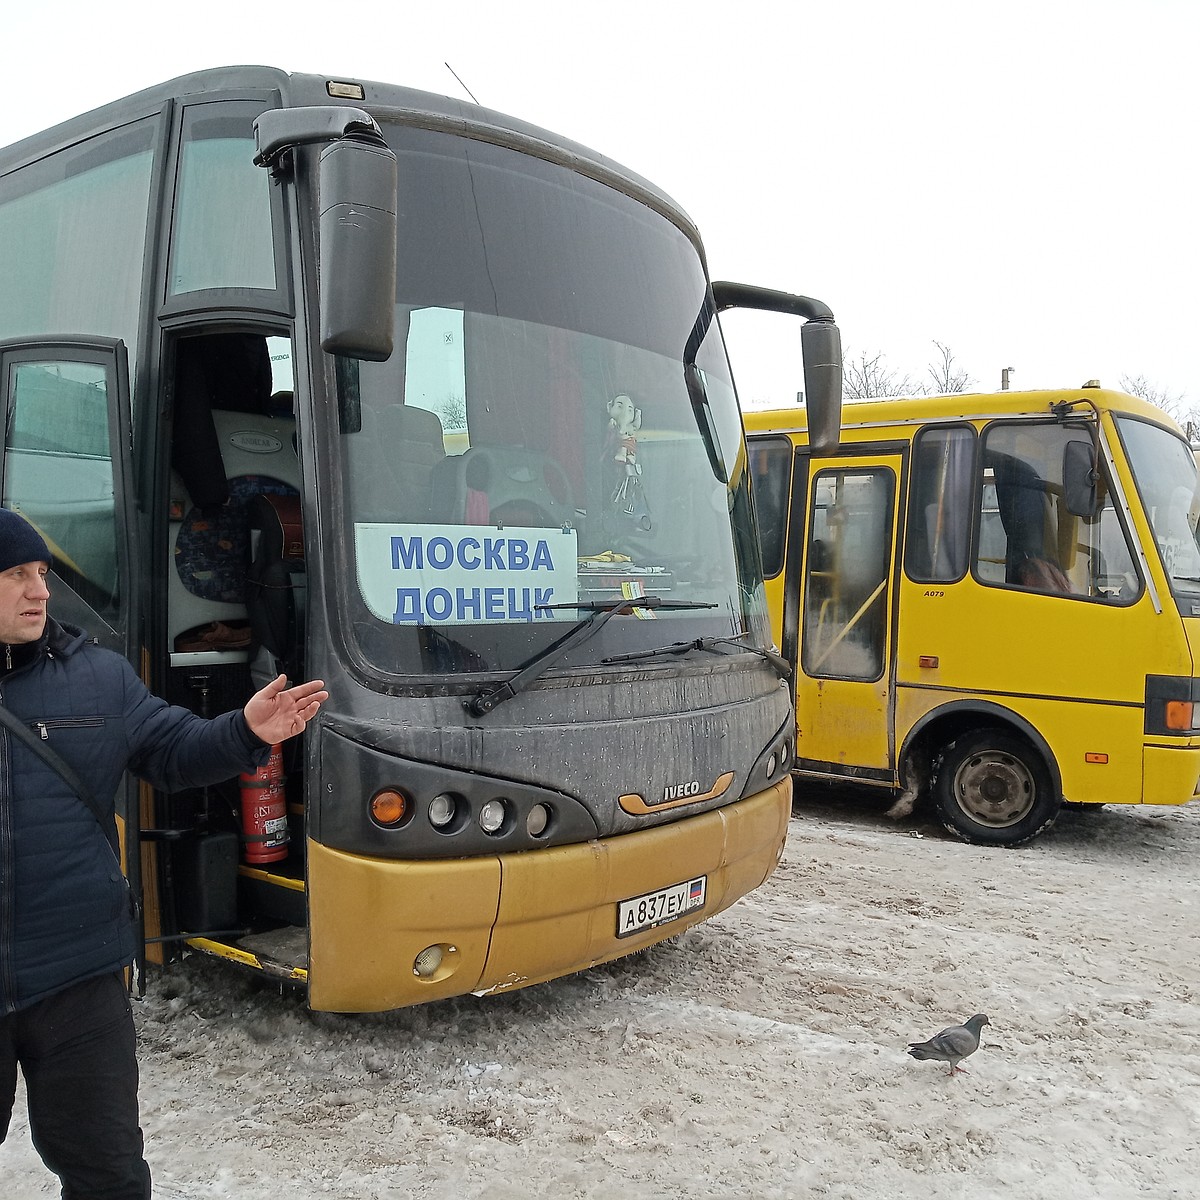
<point x="991" y="602"/>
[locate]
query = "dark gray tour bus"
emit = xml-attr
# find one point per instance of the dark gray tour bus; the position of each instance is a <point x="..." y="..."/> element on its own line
<point x="349" y="381"/>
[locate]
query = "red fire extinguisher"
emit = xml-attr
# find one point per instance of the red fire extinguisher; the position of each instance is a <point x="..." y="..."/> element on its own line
<point x="264" y="811"/>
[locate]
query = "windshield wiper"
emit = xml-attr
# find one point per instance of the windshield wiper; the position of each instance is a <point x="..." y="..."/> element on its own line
<point x="708" y="643"/>
<point x="601" y="611"/>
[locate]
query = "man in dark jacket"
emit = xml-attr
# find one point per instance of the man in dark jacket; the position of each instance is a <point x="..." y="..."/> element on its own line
<point x="66" y="925"/>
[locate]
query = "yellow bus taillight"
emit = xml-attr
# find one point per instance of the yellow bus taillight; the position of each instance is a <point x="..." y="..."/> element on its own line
<point x="1179" y="715"/>
<point x="1172" y="704"/>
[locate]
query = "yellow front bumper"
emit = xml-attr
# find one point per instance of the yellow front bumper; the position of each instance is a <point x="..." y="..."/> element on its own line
<point x="508" y="921"/>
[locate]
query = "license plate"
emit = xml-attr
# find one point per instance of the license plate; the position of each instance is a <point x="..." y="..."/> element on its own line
<point x="657" y="908"/>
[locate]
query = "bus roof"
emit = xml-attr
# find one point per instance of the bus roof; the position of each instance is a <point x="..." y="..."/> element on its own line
<point x="382" y="100"/>
<point x="874" y="413"/>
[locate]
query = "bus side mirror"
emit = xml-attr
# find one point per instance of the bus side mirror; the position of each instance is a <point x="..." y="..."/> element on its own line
<point x="1081" y="489"/>
<point x="358" y="189"/>
<point x="821" y="342"/>
<point x="356" y="178"/>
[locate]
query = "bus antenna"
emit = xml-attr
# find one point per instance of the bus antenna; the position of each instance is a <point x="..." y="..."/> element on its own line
<point x="461" y="84"/>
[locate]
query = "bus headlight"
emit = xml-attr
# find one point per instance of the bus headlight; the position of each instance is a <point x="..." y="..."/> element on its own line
<point x="537" y="821"/>
<point x="492" y="816"/>
<point x="443" y="808"/>
<point x="776" y="759"/>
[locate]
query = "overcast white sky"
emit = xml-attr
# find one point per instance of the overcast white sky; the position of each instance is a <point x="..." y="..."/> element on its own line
<point x="1015" y="180"/>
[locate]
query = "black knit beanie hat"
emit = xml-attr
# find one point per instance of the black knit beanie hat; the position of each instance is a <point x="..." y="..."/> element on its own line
<point x="19" y="541"/>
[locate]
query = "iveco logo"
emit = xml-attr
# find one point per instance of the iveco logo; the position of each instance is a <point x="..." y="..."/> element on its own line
<point x="675" y="791"/>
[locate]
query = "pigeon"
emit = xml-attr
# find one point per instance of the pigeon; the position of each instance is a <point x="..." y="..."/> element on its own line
<point x="953" y="1044"/>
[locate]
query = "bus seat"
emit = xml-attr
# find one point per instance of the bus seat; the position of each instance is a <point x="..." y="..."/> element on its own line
<point x="212" y="545"/>
<point x="413" y="445"/>
<point x="1043" y="575"/>
<point x="396" y="454"/>
<point x="502" y="485"/>
<point x="282" y="404"/>
<point x="229" y="371"/>
<point x="275" y="586"/>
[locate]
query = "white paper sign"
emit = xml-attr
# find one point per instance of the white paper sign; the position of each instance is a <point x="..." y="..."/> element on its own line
<point x="466" y="574"/>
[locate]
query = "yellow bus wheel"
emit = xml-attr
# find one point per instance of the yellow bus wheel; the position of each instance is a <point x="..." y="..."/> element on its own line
<point x="993" y="789"/>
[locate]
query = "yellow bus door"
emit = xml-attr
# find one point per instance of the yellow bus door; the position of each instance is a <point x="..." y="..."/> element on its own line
<point x="844" y="695"/>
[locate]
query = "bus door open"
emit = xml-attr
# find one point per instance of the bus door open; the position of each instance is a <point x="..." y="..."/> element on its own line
<point x="778" y="476"/>
<point x="844" y="694"/>
<point x="234" y="613"/>
<point x="67" y="470"/>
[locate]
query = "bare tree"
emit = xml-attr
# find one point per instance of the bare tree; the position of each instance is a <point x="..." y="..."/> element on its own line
<point x="1140" y="386"/>
<point x="947" y="377"/>
<point x="1174" y="404"/>
<point x="454" y="413"/>
<point x="866" y="377"/>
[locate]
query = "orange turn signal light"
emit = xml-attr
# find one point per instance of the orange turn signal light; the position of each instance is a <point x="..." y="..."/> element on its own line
<point x="389" y="807"/>
<point x="1094" y="757"/>
<point x="1179" y="714"/>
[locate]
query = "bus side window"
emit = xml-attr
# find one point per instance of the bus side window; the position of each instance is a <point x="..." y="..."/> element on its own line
<point x="849" y="552"/>
<point x="58" y="472"/>
<point x="222" y="235"/>
<point x="939" y="511"/>
<point x="73" y="228"/>
<point x="770" y="466"/>
<point x="1115" y="576"/>
<point x="1028" y="539"/>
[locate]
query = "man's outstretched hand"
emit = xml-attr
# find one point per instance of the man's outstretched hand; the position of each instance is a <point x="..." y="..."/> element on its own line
<point x="279" y="712"/>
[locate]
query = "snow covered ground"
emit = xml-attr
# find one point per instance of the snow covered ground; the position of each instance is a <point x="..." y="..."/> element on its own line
<point x="761" y="1054"/>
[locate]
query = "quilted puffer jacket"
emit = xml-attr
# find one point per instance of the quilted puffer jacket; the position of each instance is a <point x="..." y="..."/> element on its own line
<point x="65" y="914"/>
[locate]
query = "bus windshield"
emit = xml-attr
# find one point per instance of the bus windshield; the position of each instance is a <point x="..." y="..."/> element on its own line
<point x="531" y="448"/>
<point x="1165" y="470"/>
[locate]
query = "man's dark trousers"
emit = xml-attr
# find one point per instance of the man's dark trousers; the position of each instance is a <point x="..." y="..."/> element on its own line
<point x="76" y="1052"/>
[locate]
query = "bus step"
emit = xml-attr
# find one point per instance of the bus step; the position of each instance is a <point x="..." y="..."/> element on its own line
<point x="286" y="945"/>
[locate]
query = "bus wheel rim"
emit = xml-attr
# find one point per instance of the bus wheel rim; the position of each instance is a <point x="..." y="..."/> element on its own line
<point x="995" y="789"/>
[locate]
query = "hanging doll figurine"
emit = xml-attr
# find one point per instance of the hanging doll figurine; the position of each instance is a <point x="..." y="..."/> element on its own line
<point x="624" y="420"/>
